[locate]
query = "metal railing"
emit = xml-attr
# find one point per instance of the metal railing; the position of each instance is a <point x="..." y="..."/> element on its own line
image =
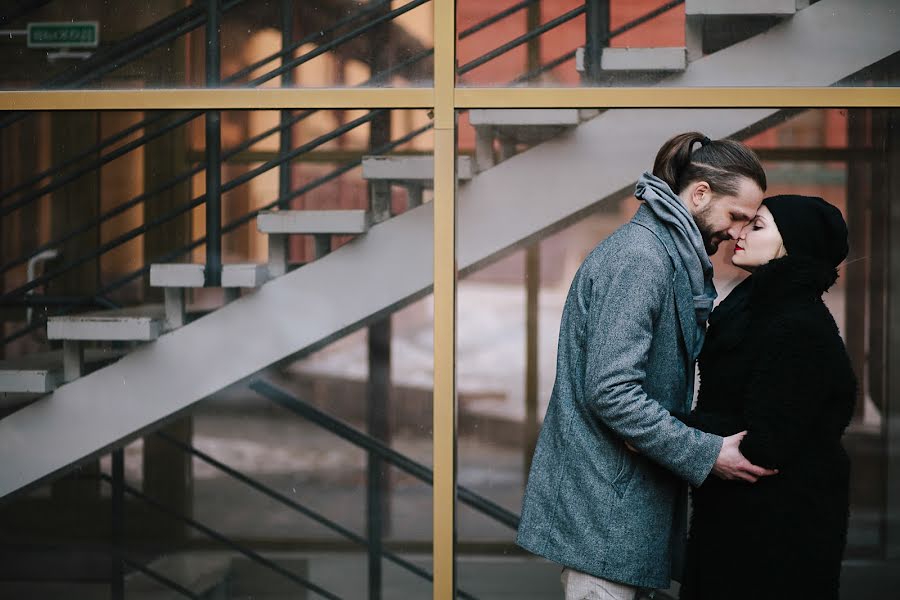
<point x="321" y="419"/>
<point x="59" y="182"/>
<point x="251" y="554"/>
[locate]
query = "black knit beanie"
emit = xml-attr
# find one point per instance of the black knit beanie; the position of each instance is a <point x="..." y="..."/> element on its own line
<point x="810" y="226"/>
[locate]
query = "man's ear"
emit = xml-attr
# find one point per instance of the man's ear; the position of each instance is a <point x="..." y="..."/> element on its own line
<point x="701" y="195"/>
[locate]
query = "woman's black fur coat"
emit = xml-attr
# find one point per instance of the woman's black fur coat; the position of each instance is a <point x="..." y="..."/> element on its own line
<point x="775" y="365"/>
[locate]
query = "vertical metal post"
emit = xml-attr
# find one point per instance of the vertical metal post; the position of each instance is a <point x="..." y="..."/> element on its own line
<point x="378" y="390"/>
<point x="532" y="290"/>
<point x="117" y="569"/>
<point x="213" y="150"/>
<point x="892" y="355"/>
<point x="878" y="256"/>
<point x="859" y="194"/>
<point x="377" y="483"/>
<point x="287" y="80"/>
<point x="596" y="25"/>
<point x="533" y="47"/>
<point x="445" y="279"/>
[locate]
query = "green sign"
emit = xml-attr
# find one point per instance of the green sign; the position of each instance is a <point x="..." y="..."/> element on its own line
<point x="75" y="34"/>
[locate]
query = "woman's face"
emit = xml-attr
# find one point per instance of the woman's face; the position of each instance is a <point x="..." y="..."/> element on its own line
<point x="758" y="243"/>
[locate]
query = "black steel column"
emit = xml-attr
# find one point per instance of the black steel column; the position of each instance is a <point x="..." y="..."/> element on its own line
<point x="596" y="29"/>
<point x="287" y="80"/>
<point x="378" y="391"/>
<point x="532" y="291"/>
<point x="213" y="151"/>
<point x="859" y="193"/>
<point x="377" y="482"/>
<point x="892" y="332"/>
<point x="117" y="570"/>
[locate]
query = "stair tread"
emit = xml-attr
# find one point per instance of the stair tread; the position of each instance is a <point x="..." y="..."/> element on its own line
<point x="410" y="168"/>
<point x="42" y="372"/>
<point x="244" y="275"/>
<point x="136" y="323"/>
<point x="524" y="117"/>
<point x="177" y="275"/>
<point x="740" y="7"/>
<point x="644" y="59"/>
<point x="192" y="275"/>
<point x="335" y="222"/>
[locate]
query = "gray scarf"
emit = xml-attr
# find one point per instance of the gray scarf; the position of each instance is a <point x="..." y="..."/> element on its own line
<point x="669" y="209"/>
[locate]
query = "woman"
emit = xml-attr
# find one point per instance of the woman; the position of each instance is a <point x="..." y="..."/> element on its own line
<point x="774" y="365"/>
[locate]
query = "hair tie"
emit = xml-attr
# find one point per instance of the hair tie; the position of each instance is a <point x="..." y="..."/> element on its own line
<point x="704" y="141"/>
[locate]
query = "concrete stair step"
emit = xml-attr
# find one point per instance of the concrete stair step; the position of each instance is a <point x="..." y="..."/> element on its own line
<point x="774" y="8"/>
<point x="313" y="222"/>
<point x="43" y="372"/>
<point x="178" y="275"/>
<point x="203" y="574"/>
<point x="135" y="324"/>
<point x="524" y="117"/>
<point x="712" y="25"/>
<point x="636" y="66"/>
<point x="193" y="275"/>
<point x="244" y="275"/>
<point x="416" y="169"/>
<point x="671" y="60"/>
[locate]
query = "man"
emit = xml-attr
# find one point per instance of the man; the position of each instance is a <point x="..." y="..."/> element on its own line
<point x="631" y="330"/>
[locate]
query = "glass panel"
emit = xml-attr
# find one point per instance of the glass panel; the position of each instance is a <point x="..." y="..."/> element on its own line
<point x="164" y="44"/>
<point x="570" y="188"/>
<point x="680" y="43"/>
<point x="284" y="414"/>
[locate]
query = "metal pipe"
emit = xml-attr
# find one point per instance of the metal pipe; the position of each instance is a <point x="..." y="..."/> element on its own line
<point x="547" y="67"/>
<point x="213" y="150"/>
<point x="495" y="18"/>
<point x="357" y="438"/>
<point x="117" y="504"/>
<point x="33" y="262"/>
<point x="379" y="357"/>
<point x="596" y="34"/>
<point x="251" y="554"/>
<point x="287" y="80"/>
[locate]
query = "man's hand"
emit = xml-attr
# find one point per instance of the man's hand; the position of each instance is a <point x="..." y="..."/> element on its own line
<point x="732" y="465"/>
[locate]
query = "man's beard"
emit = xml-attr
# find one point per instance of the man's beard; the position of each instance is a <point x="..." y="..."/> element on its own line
<point x="710" y="237"/>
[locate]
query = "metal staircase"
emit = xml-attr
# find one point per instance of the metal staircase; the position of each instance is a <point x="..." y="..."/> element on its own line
<point x="253" y="332"/>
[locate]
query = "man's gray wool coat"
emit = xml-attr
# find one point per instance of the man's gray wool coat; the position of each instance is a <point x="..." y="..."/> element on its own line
<point x="626" y="359"/>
